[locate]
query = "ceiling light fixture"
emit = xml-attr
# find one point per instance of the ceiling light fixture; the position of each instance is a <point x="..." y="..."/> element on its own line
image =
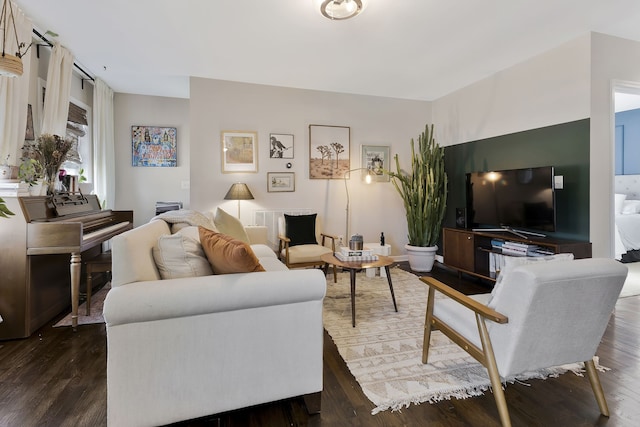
<point x="10" y="65"/>
<point x="340" y="9"/>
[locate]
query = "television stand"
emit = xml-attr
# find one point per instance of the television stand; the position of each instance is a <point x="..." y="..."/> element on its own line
<point x="520" y="233"/>
<point x="469" y="250"/>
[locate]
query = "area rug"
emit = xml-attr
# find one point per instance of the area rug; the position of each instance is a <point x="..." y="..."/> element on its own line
<point x="384" y="350"/>
<point x="97" y="302"/>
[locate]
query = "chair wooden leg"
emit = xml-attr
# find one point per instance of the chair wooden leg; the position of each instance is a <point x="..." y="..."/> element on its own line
<point x="594" y="379"/>
<point x="427" y="325"/>
<point x="494" y="376"/>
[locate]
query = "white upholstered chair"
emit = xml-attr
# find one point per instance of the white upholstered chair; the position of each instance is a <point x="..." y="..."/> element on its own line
<point x="540" y="315"/>
<point x="298" y="243"/>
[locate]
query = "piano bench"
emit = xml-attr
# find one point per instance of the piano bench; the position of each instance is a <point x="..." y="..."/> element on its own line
<point x="97" y="264"/>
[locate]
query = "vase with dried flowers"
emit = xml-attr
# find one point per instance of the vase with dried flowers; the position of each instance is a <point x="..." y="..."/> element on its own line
<point x="51" y="151"/>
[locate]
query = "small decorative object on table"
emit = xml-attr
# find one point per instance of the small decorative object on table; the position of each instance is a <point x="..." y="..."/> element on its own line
<point x="356" y="242"/>
<point x="382" y="239"/>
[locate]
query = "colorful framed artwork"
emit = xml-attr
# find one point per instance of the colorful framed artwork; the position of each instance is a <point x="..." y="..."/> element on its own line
<point x="329" y="148"/>
<point x="239" y="151"/>
<point x="376" y="159"/>
<point x="280" y="146"/>
<point x="154" y="146"/>
<point x="281" y="182"/>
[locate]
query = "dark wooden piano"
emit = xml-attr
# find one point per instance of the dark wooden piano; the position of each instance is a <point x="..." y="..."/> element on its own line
<point x="41" y="252"/>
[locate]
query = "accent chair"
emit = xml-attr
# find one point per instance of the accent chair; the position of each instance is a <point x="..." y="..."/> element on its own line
<point x="298" y="244"/>
<point x="539" y="315"/>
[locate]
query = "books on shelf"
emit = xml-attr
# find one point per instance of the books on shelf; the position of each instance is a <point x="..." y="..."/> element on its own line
<point x="518" y="248"/>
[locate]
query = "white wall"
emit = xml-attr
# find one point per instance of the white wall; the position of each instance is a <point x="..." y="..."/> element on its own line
<point x="139" y="188"/>
<point x="545" y="90"/>
<point x="222" y="105"/>
<point x="615" y="61"/>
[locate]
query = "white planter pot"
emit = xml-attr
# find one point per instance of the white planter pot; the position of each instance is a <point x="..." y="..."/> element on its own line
<point x="421" y="258"/>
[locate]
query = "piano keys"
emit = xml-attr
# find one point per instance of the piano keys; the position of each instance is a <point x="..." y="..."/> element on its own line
<point x="41" y="252"/>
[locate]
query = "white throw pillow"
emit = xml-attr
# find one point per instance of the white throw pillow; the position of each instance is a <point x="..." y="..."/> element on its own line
<point x="630" y="207"/>
<point x="619" y="202"/>
<point x="181" y="255"/>
<point x="511" y="262"/>
<point x="230" y="225"/>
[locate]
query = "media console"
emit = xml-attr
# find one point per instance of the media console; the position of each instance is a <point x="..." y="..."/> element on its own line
<point x="469" y="251"/>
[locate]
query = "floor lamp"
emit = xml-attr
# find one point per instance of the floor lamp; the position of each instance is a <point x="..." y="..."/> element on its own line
<point x="239" y="191"/>
<point x="368" y="179"/>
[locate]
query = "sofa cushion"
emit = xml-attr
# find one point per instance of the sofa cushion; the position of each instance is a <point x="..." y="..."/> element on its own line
<point x="230" y="225"/>
<point x="301" y="229"/>
<point x="181" y="255"/>
<point x="228" y="255"/>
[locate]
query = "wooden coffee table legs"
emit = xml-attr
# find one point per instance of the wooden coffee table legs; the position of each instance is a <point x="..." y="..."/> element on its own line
<point x="393" y="297"/>
<point x="352" y="276"/>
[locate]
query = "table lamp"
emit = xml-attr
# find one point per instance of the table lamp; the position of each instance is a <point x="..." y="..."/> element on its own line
<point x="239" y="191"/>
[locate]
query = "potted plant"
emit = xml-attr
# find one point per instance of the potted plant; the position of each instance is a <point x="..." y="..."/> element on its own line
<point x="424" y="192"/>
<point x="30" y="171"/>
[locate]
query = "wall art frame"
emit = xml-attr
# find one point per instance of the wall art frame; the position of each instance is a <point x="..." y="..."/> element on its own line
<point x="329" y="151"/>
<point x="155" y="146"/>
<point x="279" y="182"/>
<point x="239" y="151"/>
<point x="375" y="159"/>
<point x="280" y="146"/>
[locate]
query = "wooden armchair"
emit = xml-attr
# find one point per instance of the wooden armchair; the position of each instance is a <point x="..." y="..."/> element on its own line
<point x="540" y="315"/>
<point x="298" y="246"/>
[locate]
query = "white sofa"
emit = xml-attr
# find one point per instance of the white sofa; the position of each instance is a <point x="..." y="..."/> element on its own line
<point x="184" y="348"/>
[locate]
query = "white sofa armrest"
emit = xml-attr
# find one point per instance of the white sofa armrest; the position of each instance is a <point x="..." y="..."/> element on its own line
<point x="174" y="298"/>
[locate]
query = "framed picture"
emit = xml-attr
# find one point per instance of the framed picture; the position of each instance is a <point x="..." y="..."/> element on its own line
<point x="239" y="151"/>
<point x="329" y="151"/>
<point x="280" y="146"/>
<point x="154" y="146"/>
<point x="376" y="158"/>
<point x="281" y="182"/>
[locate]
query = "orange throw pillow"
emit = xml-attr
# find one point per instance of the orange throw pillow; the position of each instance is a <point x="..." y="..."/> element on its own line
<point x="226" y="254"/>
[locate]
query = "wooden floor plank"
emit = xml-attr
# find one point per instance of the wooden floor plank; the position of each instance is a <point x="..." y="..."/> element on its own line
<point x="58" y="378"/>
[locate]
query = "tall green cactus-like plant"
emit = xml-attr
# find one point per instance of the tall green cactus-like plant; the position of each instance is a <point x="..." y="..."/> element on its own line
<point x="423" y="190"/>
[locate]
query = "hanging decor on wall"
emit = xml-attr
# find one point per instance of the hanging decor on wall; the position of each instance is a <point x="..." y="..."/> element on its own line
<point x="280" y="146"/>
<point x="239" y="151"/>
<point x="154" y="146"/>
<point x="329" y="151"/>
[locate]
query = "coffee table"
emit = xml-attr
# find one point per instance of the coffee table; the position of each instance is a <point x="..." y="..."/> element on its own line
<point x="353" y="267"/>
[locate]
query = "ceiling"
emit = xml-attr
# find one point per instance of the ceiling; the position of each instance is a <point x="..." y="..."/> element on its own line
<point x="411" y="49"/>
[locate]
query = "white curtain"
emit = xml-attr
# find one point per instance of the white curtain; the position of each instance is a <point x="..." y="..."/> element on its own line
<point x="56" y="99"/>
<point x="14" y="95"/>
<point x="103" y="144"/>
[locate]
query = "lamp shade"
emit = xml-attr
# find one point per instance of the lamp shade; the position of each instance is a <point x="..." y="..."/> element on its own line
<point x="239" y="191"/>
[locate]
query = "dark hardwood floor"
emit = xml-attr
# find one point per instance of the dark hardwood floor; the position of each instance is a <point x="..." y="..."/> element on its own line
<point x="58" y="378"/>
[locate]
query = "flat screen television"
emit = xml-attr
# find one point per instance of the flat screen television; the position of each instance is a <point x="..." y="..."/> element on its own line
<point x="515" y="198"/>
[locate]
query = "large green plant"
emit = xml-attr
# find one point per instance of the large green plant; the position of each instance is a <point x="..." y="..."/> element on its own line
<point x="423" y="189"/>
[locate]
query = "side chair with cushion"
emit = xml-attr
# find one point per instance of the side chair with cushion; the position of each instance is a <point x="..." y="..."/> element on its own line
<point x="298" y="244"/>
<point x="540" y="315"/>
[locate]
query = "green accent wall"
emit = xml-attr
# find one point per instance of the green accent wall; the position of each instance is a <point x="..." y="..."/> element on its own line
<point x="564" y="146"/>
